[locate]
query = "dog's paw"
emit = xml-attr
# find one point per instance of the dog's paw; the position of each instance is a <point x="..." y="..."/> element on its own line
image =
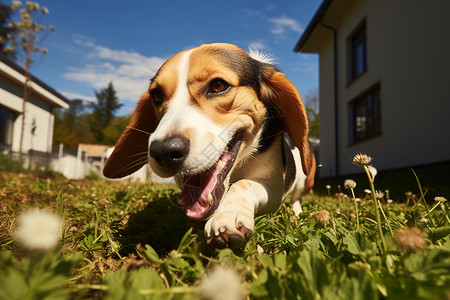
<point x="229" y="229"/>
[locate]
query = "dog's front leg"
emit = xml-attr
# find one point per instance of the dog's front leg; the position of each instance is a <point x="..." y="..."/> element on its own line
<point x="232" y="224"/>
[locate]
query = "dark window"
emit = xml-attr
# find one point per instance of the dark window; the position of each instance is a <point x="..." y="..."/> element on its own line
<point x="6" y="125"/>
<point x="358" y="52"/>
<point x="366" y="115"/>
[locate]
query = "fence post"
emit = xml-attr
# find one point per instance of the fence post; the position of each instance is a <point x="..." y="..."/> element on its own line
<point x="60" y="155"/>
<point x="77" y="164"/>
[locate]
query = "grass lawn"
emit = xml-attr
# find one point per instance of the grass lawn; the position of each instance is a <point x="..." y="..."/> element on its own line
<point x="123" y="240"/>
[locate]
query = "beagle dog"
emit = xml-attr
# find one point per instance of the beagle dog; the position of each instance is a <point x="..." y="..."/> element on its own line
<point x="233" y="132"/>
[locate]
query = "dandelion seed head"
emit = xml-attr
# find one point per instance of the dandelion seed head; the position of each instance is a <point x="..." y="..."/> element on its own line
<point x="373" y="172"/>
<point x="259" y="249"/>
<point x="220" y="284"/>
<point x="328" y="187"/>
<point x="440" y="199"/>
<point x="349" y="184"/>
<point x="424" y="220"/>
<point x="323" y="217"/>
<point x="410" y="239"/>
<point x="103" y="202"/>
<point x="379" y="194"/>
<point x="361" y="159"/>
<point x="38" y="230"/>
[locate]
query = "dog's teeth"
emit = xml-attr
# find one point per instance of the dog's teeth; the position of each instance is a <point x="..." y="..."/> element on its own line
<point x="210" y="198"/>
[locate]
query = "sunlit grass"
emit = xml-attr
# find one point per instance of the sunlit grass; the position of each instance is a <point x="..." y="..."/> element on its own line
<point x="123" y="240"/>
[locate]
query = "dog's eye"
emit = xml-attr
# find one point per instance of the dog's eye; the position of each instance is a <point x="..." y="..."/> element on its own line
<point x="218" y="86"/>
<point x="158" y="96"/>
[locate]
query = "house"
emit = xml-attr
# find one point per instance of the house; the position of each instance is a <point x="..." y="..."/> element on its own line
<point x="384" y="78"/>
<point x="38" y="130"/>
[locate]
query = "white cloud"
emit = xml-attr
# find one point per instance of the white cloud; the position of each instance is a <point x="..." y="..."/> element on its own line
<point x="72" y="95"/>
<point x="129" y="71"/>
<point x="280" y="25"/>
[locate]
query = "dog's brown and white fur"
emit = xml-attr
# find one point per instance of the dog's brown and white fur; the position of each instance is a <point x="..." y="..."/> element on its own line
<point x="231" y="128"/>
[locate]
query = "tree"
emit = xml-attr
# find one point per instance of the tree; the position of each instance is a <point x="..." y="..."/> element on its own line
<point x="112" y="132"/>
<point x="71" y="126"/>
<point x="25" y="40"/>
<point x="103" y="111"/>
<point x="311" y="101"/>
<point x="5" y="30"/>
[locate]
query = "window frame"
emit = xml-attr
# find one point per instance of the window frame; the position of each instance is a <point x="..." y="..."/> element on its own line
<point x="357" y="57"/>
<point x="370" y="101"/>
<point x="6" y="137"/>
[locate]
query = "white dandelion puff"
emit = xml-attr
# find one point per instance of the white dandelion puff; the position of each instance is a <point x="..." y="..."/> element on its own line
<point x="221" y="284"/>
<point x="361" y="159"/>
<point x="373" y="172"/>
<point x="349" y="184"/>
<point x="440" y="199"/>
<point x="379" y="194"/>
<point x="38" y="230"/>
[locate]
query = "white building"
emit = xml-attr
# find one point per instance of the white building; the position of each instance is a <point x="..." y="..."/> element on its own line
<point x="384" y="78"/>
<point x="38" y="111"/>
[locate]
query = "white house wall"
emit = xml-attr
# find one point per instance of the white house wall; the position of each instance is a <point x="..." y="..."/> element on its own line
<point x="326" y="91"/>
<point x="407" y="54"/>
<point x="36" y="109"/>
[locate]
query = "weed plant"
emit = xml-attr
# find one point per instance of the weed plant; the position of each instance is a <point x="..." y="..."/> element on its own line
<point x="124" y="240"/>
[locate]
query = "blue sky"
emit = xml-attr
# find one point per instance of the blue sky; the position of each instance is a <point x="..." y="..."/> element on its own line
<point x="98" y="41"/>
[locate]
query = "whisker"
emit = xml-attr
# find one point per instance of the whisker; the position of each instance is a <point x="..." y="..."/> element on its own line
<point x="140" y="153"/>
<point x="140" y="130"/>
<point x="133" y="164"/>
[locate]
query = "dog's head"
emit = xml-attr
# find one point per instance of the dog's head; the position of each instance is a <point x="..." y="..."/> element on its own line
<point x="202" y="116"/>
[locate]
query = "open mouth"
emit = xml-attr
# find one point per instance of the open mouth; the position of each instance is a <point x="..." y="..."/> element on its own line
<point x="202" y="192"/>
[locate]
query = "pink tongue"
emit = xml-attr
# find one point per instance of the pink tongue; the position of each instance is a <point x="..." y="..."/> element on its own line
<point x="196" y="188"/>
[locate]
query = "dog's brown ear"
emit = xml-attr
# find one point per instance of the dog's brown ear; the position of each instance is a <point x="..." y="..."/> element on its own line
<point x="130" y="152"/>
<point x="279" y="92"/>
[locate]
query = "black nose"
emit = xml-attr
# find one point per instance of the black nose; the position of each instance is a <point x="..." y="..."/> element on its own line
<point x="170" y="152"/>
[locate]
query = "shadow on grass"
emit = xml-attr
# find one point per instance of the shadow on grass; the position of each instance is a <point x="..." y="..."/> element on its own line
<point x="161" y="224"/>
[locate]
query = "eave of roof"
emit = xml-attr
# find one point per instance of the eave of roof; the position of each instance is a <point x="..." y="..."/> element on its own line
<point x="314" y="22"/>
<point x="13" y="70"/>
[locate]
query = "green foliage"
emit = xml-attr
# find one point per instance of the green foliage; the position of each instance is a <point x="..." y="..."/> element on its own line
<point x="311" y="101"/>
<point x="137" y="243"/>
<point x="38" y="276"/>
<point x="139" y="284"/>
<point x="71" y="125"/>
<point x="103" y="111"/>
<point x="7" y="163"/>
<point x="82" y="123"/>
<point x="114" y="129"/>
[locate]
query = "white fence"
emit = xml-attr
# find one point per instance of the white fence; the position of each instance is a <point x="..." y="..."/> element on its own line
<point x="76" y="164"/>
